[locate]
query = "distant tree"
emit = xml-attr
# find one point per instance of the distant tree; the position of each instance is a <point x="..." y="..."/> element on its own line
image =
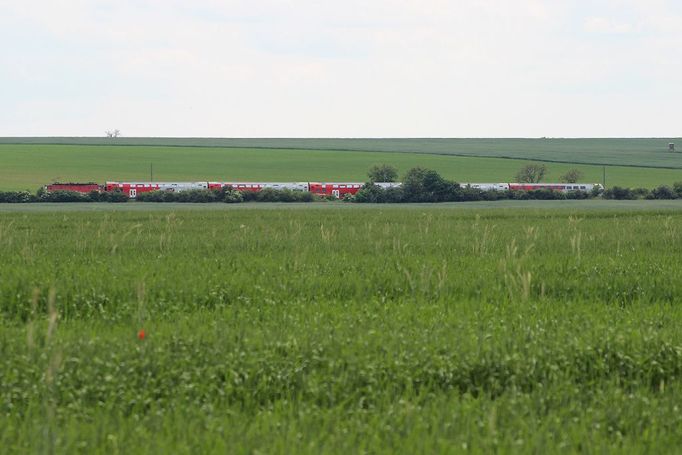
<point x="531" y="173"/>
<point x="663" y="192"/>
<point x="113" y="133"/>
<point x="425" y="185"/>
<point x="382" y="173"/>
<point x="571" y="176"/>
<point x="677" y="186"/>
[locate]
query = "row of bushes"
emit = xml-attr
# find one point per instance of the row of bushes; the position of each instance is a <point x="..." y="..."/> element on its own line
<point x="661" y="192"/>
<point x="420" y="185"/>
<point x="371" y="193"/>
<point x="200" y="196"/>
<point x="229" y="196"/>
<point x="61" y="196"/>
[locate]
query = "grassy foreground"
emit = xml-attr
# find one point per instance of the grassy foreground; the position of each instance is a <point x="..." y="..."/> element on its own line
<point x="28" y="167"/>
<point x="383" y="330"/>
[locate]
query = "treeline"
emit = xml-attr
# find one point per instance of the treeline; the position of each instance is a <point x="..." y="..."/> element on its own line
<point x="425" y="185"/>
<point x="419" y="185"/>
<point x="661" y="192"/>
<point x="229" y="196"/>
<point x="15" y="197"/>
<point x="193" y="196"/>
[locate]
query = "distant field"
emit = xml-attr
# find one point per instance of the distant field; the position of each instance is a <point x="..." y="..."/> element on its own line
<point x="31" y="166"/>
<point x="646" y="152"/>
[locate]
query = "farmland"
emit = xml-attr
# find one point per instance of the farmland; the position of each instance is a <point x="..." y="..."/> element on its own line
<point x="638" y="152"/>
<point x="344" y="329"/>
<point x="31" y="166"/>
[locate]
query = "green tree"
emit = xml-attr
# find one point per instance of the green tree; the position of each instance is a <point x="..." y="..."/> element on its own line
<point x="425" y="185"/>
<point x="383" y="173"/>
<point x="531" y="173"/>
<point x="571" y="176"/>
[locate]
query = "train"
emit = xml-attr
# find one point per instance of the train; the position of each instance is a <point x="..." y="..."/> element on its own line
<point x="333" y="189"/>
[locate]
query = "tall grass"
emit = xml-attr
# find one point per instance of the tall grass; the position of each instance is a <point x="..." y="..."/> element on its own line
<point x="340" y="330"/>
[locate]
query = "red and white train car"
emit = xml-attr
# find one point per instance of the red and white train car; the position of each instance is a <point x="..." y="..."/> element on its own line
<point x="562" y="187"/>
<point x="336" y="189"/>
<point x="132" y="189"/>
<point x="258" y="186"/>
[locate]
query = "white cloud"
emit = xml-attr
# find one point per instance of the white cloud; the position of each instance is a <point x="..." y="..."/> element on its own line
<point x="332" y="68"/>
<point x="606" y="25"/>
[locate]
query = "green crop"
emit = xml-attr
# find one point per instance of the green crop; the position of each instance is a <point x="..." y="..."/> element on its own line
<point x="342" y="329"/>
<point x="28" y="167"/>
<point x="639" y="152"/>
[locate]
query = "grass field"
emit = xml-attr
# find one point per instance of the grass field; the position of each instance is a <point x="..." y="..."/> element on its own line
<point x="534" y="207"/>
<point x="645" y="152"/>
<point x="340" y="330"/>
<point x="31" y="166"/>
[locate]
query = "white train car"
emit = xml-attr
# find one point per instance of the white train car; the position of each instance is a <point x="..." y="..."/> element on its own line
<point x="132" y="189"/>
<point x="486" y="186"/>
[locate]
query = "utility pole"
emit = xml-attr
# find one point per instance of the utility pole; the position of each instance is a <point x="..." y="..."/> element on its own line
<point x="151" y="172"/>
<point x="604" y="178"/>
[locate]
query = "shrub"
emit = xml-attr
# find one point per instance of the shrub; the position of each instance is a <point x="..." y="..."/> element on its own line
<point x="578" y="195"/>
<point x="677" y="187"/>
<point x="196" y="196"/>
<point x="663" y="192"/>
<point x="116" y="196"/>
<point x="64" y="196"/>
<point x="618" y="192"/>
<point x="468" y="194"/>
<point x="268" y="195"/>
<point x="641" y="193"/>
<point x="154" y="196"/>
<point x="425" y="185"/>
<point x="16" y="197"/>
<point x="370" y="193"/>
<point x="273" y="195"/>
<point x="544" y="194"/>
<point x="231" y="196"/>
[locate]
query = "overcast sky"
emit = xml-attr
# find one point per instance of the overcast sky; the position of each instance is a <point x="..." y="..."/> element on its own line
<point x="341" y="68"/>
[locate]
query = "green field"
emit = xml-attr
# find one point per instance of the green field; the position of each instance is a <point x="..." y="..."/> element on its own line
<point x="644" y="152"/>
<point x="346" y="329"/>
<point x="31" y="166"/>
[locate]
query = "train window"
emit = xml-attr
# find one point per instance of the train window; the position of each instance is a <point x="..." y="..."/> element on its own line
<point x="582" y="187"/>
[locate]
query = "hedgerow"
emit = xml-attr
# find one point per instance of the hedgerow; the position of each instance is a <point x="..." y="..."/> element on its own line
<point x="419" y="185"/>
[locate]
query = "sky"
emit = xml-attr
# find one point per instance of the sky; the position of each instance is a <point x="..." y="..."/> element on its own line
<point x="341" y="68"/>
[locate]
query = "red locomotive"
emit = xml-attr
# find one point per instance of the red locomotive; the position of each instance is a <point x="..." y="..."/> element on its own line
<point x="77" y="187"/>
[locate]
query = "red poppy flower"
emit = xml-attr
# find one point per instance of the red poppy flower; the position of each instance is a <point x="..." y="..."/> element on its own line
<point x="141" y="334"/>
